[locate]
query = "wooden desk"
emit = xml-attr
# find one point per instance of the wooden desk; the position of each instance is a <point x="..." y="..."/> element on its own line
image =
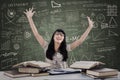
<point x="77" y="76"/>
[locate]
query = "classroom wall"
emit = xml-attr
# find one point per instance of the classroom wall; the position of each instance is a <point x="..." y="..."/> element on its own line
<point x="17" y="42"/>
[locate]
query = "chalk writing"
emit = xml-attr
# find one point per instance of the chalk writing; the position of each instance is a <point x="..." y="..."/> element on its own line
<point x="7" y="63"/>
<point x="6" y="54"/>
<point x="17" y="4"/>
<point x="5" y="45"/>
<point x="105" y="49"/>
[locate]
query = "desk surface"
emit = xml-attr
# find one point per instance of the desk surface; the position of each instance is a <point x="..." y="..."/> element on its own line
<point x="77" y="76"/>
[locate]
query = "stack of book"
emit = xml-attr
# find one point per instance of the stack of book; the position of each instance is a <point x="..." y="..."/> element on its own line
<point x="94" y="69"/>
<point x="102" y="73"/>
<point x="28" y="68"/>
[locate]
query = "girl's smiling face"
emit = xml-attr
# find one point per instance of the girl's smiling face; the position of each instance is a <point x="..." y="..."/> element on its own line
<point x="58" y="37"/>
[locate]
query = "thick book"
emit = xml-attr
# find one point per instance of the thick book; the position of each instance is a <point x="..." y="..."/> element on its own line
<point x="29" y="70"/>
<point x="39" y="64"/>
<point x="103" y="72"/>
<point x="40" y="74"/>
<point x="15" y="74"/>
<point x="86" y="64"/>
<point x="63" y="71"/>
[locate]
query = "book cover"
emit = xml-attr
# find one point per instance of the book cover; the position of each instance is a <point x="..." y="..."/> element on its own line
<point x="86" y="64"/>
<point x="103" y="72"/>
<point x="29" y="70"/>
<point x="40" y="74"/>
<point x="15" y="74"/>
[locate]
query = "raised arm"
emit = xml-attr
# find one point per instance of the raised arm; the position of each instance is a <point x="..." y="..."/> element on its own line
<point x="29" y="13"/>
<point x="84" y="35"/>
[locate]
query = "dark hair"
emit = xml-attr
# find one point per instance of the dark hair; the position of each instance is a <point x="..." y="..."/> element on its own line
<point x="51" y="51"/>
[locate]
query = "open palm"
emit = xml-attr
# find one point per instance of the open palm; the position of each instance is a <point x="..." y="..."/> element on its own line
<point x="90" y="22"/>
<point x="29" y="13"/>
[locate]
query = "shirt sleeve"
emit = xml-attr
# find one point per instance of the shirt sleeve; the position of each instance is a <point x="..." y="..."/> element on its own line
<point x="68" y="47"/>
<point x="45" y="46"/>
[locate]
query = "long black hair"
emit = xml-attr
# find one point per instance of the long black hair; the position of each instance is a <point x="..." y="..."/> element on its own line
<point x="51" y="51"/>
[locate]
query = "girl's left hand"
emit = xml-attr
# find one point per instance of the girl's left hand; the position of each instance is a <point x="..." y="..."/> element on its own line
<point x="90" y="22"/>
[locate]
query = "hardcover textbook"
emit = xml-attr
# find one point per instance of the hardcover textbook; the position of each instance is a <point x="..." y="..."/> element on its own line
<point x="86" y="64"/>
<point x="103" y="72"/>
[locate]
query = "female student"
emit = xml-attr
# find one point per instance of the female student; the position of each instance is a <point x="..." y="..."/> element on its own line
<point x="57" y="50"/>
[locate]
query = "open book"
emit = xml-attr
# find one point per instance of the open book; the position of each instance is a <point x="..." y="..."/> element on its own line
<point x="63" y="71"/>
<point x="38" y="64"/>
<point x="86" y="64"/>
<point x="103" y="72"/>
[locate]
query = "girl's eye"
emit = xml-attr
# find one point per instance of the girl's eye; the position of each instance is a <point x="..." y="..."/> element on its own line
<point x="61" y="34"/>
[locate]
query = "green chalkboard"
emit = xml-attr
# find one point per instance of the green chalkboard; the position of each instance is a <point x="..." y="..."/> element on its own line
<point x="17" y="42"/>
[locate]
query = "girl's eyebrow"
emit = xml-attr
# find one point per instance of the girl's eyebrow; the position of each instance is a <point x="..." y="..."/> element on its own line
<point x="59" y="32"/>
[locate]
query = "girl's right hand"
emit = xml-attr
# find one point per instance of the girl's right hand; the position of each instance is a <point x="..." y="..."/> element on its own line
<point x="29" y="12"/>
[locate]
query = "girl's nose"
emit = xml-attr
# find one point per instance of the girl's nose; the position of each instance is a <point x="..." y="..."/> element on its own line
<point x="59" y="35"/>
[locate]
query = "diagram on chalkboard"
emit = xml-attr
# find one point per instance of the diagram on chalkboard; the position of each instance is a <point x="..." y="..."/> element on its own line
<point x="11" y="13"/>
<point x="101" y="35"/>
<point x="16" y="46"/>
<point x="85" y="57"/>
<point x="112" y="33"/>
<point x="10" y="21"/>
<point x="104" y="25"/>
<point x="27" y="35"/>
<point x="112" y="23"/>
<point x="112" y="10"/>
<point x="100" y="18"/>
<point x="10" y="17"/>
<point x="55" y="4"/>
